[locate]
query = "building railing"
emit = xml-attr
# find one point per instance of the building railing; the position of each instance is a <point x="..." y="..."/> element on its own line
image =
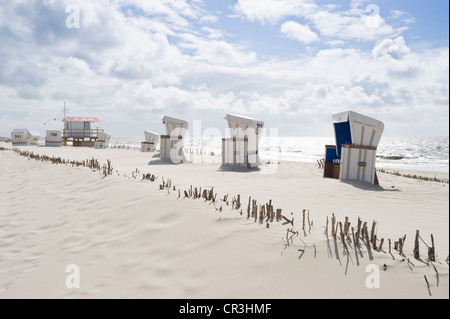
<point x="74" y="133"/>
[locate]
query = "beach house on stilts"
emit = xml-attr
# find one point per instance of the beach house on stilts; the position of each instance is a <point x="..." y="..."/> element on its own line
<point x="354" y="155"/>
<point x="80" y="131"/>
<point x="242" y="148"/>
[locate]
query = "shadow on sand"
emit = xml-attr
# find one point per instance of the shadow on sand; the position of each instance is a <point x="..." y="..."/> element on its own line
<point x="369" y="187"/>
<point x="238" y="169"/>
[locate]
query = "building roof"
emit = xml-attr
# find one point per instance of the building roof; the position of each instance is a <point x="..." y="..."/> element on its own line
<point x="81" y="119"/>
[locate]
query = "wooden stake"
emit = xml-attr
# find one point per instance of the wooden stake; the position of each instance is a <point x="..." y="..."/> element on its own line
<point x="304" y="219"/>
<point x="279" y="211"/>
<point x="346" y="226"/>
<point x="373" y="231"/>
<point x="366" y="234"/>
<point x="431" y="250"/>
<point x="416" y="245"/>
<point x="287" y="220"/>
<point x="343" y="241"/>
<point x="402" y="243"/>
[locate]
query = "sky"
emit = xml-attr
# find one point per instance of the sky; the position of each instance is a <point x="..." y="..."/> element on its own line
<point x="290" y="63"/>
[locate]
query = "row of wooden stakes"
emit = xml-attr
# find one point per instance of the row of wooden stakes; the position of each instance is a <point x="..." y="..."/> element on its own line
<point x="261" y="212"/>
<point x="345" y="232"/>
<point x="105" y="169"/>
<point x="413" y="176"/>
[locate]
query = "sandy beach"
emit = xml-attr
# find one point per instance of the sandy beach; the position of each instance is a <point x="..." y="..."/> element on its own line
<point x="132" y="240"/>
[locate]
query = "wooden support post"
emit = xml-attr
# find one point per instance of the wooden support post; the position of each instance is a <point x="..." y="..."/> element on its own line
<point x="271" y="213"/>
<point x="381" y="244"/>
<point x="333" y="223"/>
<point x="403" y="242"/>
<point x="366" y="235"/>
<point x="343" y="240"/>
<point x="372" y="234"/>
<point x="358" y="231"/>
<point x="346" y="226"/>
<point x="416" y="245"/>
<point x="279" y="211"/>
<point x="304" y="211"/>
<point x="287" y="220"/>
<point x="431" y="250"/>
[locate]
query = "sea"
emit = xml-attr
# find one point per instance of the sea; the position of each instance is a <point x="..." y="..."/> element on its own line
<point x="411" y="153"/>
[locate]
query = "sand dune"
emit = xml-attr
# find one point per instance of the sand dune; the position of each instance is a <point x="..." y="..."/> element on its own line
<point x="132" y="240"/>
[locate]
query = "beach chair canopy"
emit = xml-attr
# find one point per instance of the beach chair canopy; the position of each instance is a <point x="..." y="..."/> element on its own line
<point x="151" y="137"/>
<point x="243" y="123"/>
<point x="353" y="128"/>
<point x="35" y="134"/>
<point x="25" y="132"/>
<point x="173" y="123"/>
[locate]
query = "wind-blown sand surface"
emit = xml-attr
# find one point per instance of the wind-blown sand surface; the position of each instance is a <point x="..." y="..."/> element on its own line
<point x="132" y="240"/>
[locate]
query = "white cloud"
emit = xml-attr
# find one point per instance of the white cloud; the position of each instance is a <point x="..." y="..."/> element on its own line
<point x="209" y="19"/>
<point x="217" y="52"/>
<point x="295" y="31"/>
<point x="330" y="20"/>
<point x="397" y="58"/>
<point x="391" y="49"/>
<point x="272" y="11"/>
